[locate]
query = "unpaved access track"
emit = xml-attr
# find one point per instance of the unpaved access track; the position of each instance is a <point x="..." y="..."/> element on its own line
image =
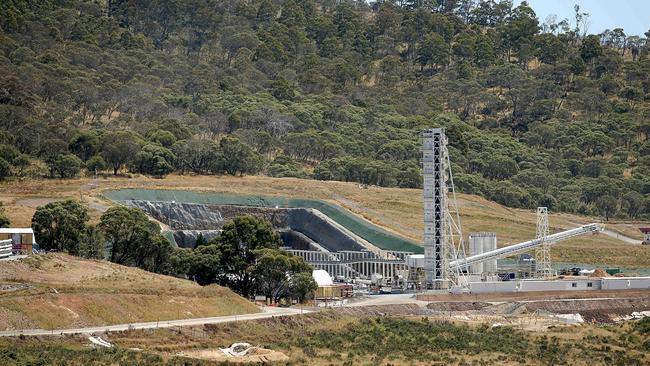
<point x="268" y="312"/>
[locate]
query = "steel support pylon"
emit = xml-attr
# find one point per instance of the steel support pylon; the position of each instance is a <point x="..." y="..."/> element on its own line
<point x="543" y="252"/>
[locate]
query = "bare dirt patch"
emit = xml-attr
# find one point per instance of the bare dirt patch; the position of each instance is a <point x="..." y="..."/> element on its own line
<point x="600" y="310"/>
<point x="254" y="355"/>
<point x="35" y="202"/>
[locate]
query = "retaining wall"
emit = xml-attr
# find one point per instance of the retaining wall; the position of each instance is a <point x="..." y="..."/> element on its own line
<point x="372" y="233"/>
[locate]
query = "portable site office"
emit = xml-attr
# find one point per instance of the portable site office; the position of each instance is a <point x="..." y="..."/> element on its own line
<point x="22" y="239"/>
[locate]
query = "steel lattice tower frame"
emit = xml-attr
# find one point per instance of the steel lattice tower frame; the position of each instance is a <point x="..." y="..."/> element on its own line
<point x="442" y="231"/>
<point x="543" y="252"/>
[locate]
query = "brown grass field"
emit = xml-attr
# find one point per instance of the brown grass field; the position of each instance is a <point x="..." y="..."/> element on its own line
<point x="398" y="210"/>
<point x="60" y="291"/>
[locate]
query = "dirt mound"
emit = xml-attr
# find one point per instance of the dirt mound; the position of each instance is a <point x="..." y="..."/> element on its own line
<point x="61" y="291"/>
<point x="253" y="355"/>
<point x="599" y="273"/>
<point x="457" y="305"/>
<point x="597" y="310"/>
<point x="381" y="310"/>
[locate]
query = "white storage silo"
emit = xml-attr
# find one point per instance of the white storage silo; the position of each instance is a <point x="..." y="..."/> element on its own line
<point x="479" y="243"/>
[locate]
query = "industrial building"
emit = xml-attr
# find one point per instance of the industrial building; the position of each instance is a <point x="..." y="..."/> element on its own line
<point x="480" y="243"/>
<point x="565" y="284"/>
<point x="354" y="251"/>
<point x="349" y="264"/>
<point x="435" y="207"/>
<point x="445" y="264"/>
<point x="327" y="289"/>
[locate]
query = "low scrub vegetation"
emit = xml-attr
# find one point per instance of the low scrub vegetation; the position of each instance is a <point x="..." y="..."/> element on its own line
<point x="330" y="338"/>
<point x="59" y="355"/>
<point x="421" y="340"/>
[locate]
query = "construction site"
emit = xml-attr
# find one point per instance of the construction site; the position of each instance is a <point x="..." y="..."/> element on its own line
<point x="502" y="292"/>
<point x="362" y="258"/>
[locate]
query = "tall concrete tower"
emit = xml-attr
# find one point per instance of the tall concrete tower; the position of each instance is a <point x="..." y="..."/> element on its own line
<point x="434" y="162"/>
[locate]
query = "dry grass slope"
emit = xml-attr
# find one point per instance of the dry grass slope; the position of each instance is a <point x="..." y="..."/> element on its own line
<point x="398" y="210"/>
<point x="61" y="291"/>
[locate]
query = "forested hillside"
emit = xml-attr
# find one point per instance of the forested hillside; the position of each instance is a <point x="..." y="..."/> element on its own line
<point x="538" y="112"/>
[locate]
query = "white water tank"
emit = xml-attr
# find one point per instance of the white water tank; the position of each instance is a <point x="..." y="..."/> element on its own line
<point x="480" y="243"/>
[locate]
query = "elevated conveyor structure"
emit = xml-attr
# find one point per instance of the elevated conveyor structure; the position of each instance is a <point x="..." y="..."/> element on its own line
<point x="526" y="246"/>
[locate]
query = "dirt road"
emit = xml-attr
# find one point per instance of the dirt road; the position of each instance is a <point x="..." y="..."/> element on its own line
<point x="268" y="312"/>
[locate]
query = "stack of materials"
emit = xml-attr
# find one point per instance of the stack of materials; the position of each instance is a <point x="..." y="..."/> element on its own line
<point x="599" y="273"/>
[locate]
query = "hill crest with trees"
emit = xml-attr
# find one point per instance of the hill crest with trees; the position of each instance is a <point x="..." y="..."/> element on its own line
<point x="537" y="112"/>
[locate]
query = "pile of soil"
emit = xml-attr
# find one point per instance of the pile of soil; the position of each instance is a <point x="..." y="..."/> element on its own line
<point x="601" y="311"/>
<point x="457" y="305"/>
<point x="599" y="273"/>
<point x="381" y="310"/>
<point x="254" y="355"/>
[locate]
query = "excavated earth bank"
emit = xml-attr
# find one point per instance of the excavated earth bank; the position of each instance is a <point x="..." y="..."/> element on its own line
<point x="299" y="227"/>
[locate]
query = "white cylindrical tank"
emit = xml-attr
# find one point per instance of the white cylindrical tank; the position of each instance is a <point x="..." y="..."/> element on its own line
<point x="479" y="243"/>
<point x="489" y="244"/>
<point x="475" y="247"/>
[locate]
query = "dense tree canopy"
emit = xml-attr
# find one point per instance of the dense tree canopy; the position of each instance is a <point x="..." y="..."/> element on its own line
<point x="275" y="273"/>
<point x="246" y="257"/>
<point x="60" y="226"/>
<point x="134" y="240"/>
<point x="238" y="246"/>
<point x="330" y="90"/>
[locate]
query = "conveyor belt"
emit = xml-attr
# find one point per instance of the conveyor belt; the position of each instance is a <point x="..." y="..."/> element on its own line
<point x="526" y="246"/>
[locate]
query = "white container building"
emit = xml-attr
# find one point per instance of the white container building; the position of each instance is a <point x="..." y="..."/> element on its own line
<point x="567" y="284"/>
<point x="625" y="283"/>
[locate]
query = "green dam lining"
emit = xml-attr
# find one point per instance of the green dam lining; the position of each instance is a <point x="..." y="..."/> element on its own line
<point x="372" y="233"/>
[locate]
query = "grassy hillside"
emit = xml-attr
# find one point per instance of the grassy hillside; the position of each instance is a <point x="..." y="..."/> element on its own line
<point x="61" y="291"/>
<point x="398" y="210"/>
